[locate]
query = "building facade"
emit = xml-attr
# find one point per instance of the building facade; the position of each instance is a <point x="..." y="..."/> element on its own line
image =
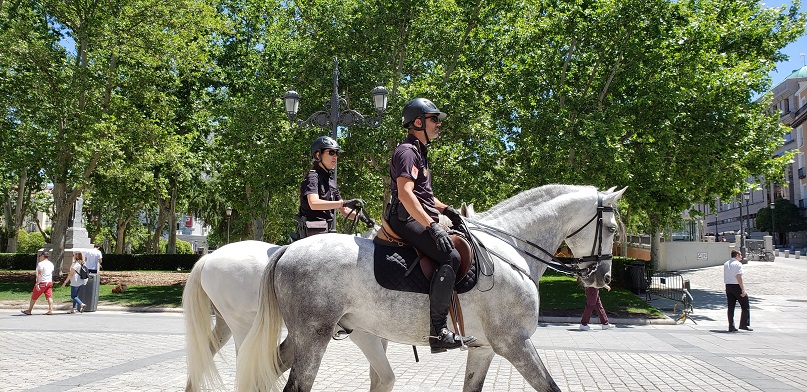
<point x="790" y="101"/>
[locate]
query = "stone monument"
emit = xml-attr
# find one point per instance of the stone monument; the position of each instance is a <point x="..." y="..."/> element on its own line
<point x="76" y="239"/>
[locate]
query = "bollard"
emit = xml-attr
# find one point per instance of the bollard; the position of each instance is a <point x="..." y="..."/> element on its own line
<point x="798" y="254"/>
<point x="787" y="254"/>
<point x="776" y="252"/>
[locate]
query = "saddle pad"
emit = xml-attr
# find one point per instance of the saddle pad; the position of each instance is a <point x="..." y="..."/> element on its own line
<point x="392" y="262"/>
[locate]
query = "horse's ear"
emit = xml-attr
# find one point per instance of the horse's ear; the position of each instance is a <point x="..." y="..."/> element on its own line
<point x="467" y="210"/>
<point x="609" y="190"/>
<point x="611" y="197"/>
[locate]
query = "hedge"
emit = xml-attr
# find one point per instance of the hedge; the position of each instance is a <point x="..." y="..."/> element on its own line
<point x="112" y="262"/>
<point x="18" y="261"/>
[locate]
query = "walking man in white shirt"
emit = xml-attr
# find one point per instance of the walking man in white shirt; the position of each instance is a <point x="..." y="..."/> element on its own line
<point x="735" y="290"/>
<point x="43" y="285"/>
<point x="94" y="259"/>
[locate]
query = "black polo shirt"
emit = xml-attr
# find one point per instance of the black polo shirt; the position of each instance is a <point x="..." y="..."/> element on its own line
<point x="318" y="181"/>
<point x="410" y="160"/>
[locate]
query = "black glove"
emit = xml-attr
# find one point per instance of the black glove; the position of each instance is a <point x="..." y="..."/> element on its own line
<point x="366" y="220"/>
<point x="451" y="213"/>
<point x="440" y="237"/>
<point x="353" y="204"/>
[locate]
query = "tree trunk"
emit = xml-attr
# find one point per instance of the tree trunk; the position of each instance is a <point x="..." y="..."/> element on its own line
<point x="15" y="218"/>
<point x="63" y="202"/>
<point x="11" y="230"/>
<point x="171" y="248"/>
<point x="120" y="234"/>
<point x="655" y="248"/>
<point x="162" y="215"/>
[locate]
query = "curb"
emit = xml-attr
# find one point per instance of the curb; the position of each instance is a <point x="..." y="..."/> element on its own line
<point x="541" y="319"/>
<point x="616" y="321"/>
<point x="131" y="309"/>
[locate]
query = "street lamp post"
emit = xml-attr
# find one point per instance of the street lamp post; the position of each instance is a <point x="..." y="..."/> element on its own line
<point x="229" y="211"/>
<point x="746" y="196"/>
<point x="773" y="227"/>
<point x="336" y="117"/>
<point x="717" y="233"/>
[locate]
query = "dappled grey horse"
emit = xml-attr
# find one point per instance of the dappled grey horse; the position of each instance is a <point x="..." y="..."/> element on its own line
<point x="227" y="282"/>
<point x="315" y="283"/>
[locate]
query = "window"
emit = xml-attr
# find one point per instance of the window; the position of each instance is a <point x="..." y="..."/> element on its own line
<point x="800" y="136"/>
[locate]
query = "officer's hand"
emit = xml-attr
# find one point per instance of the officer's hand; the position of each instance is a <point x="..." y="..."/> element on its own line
<point x="353" y="204"/>
<point x="451" y="213"/>
<point x="366" y="220"/>
<point x="440" y="237"/>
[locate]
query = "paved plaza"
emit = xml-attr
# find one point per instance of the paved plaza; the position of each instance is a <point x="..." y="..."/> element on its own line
<point x="120" y="351"/>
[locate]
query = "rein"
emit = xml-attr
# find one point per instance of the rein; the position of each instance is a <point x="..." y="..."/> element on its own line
<point x="571" y="268"/>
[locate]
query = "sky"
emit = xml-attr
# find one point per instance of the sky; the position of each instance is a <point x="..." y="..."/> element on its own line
<point x="794" y="51"/>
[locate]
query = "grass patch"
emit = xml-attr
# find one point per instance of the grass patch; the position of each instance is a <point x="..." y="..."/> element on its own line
<point x="562" y="294"/>
<point x="168" y="296"/>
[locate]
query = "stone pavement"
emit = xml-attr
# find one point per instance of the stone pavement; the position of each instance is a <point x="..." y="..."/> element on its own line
<point x="128" y="351"/>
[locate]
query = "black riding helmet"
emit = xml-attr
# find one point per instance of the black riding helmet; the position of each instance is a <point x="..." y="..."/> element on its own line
<point x="417" y="108"/>
<point x="322" y="143"/>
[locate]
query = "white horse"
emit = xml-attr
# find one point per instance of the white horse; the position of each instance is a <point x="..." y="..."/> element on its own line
<point x="315" y="283"/>
<point x="228" y="282"/>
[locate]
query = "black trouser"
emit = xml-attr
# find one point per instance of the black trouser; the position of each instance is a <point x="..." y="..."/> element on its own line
<point x="734" y="294"/>
<point x="442" y="284"/>
<point x="418" y="236"/>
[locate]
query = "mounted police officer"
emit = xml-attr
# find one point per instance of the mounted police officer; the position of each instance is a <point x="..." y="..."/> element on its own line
<point x="413" y="214"/>
<point x="319" y="195"/>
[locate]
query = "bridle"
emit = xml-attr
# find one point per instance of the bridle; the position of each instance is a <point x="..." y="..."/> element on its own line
<point x="567" y="267"/>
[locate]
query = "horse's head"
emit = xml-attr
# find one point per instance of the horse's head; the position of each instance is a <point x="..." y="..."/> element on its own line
<point x="592" y="242"/>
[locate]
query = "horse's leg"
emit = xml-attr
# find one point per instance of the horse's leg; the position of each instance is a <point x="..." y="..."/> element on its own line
<point x="374" y="348"/>
<point x="286" y="355"/>
<point x="222" y="332"/>
<point x="521" y="353"/>
<point x="307" y="357"/>
<point x="476" y="368"/>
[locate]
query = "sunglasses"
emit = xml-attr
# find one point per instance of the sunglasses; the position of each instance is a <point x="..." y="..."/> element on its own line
<point x="333" y="152"/>
<point x="434" y="119"/>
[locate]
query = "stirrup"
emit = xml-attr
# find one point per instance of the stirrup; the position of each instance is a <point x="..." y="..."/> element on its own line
<point x="439" y="344"/>
<point x="340" y="335"/>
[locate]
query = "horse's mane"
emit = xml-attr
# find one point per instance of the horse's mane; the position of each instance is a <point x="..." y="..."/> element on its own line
<point x="533" y="196"/>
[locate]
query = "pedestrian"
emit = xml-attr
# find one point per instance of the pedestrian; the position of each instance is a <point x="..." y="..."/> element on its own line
<point x="593" y="303"/>
<point x="735" y="291"/>
<point x="414" y="210"/>
<point x="94" y="259"/>
<point x="76" y="282"/>
<point x="319" y="194"/>
<point x="43" y="285"/>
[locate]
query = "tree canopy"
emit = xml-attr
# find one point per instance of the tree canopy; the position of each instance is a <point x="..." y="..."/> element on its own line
<point x="153" y="109"/>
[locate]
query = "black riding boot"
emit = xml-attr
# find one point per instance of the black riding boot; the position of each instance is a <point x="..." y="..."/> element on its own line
<point x="442" y="288"/>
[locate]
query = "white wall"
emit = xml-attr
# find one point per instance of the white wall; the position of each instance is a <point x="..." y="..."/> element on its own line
<point x="681" y="255"/>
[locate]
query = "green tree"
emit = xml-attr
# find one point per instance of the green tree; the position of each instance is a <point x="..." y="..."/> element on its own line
<point x="119" y="50"/>
<point x="786" y="219"/>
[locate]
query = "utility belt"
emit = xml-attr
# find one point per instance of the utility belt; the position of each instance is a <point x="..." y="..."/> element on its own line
<point x="306" y="228"/>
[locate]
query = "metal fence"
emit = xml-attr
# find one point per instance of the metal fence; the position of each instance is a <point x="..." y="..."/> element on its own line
<point x="672" y="285"/>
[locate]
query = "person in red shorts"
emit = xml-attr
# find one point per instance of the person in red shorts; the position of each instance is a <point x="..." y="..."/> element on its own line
<point x="43" y="285"/>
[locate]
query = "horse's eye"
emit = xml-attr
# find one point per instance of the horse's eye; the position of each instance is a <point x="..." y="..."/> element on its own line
<point x="611" y="229"/>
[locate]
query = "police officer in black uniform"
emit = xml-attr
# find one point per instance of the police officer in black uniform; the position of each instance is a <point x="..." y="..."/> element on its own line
<point x="319" y="195"/>
<point x="413" y="214"/>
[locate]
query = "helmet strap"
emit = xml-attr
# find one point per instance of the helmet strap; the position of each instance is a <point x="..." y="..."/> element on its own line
<point x="422" y="128"/>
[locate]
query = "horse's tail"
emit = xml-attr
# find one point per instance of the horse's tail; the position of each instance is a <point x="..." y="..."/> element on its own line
<point x="202" y="341"/>
<point x="258" y="366"/>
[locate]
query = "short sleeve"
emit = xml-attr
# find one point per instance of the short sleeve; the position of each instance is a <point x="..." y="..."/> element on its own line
<point x="405" y="164"/>
<point x="310" y="184"/>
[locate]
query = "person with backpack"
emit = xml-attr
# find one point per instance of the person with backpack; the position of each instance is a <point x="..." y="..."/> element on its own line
<point x="78" y="277"/>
